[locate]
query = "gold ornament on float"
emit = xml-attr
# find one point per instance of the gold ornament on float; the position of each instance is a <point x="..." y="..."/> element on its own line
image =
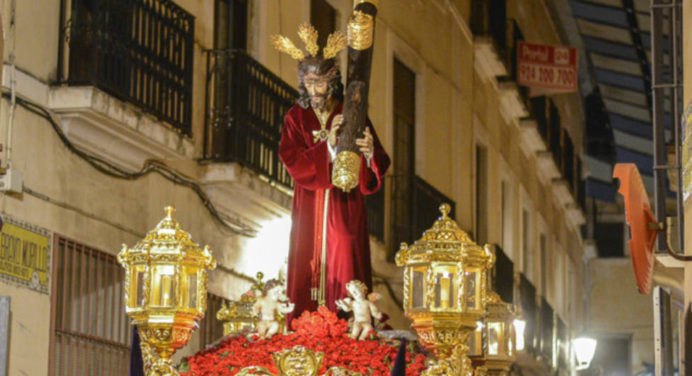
<point x="165" y="291"/>
<point x="445" y="291"/>
<point x="297" y="361"/>
<point x="237" y="316"/>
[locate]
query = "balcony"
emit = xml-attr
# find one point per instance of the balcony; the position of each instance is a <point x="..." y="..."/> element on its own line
<point x="414" y="204"/>
<point x="489" y="29"/>
<point x="125" y="79"/>
<point x="139" y="51"/>
<point x="246" y="104"/>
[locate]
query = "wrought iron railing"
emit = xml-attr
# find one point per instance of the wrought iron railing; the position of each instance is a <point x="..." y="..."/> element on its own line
<point x="560" y="144"/>
<point x="426" y="201"/>
<point x="488" y="17"/>
<point x="503" y="275"/>
<point x="529" y="311"/>
<point x="511" y="57"/>
<point x="139" y="51"/>
<point x="547" y="329"/>
<point x="419" y="202"/>
<point x="245" y="108"/>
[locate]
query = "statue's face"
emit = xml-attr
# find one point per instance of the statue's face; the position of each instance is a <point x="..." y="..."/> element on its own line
<point x="355" y="292"/>
<point x="318" y="89"/>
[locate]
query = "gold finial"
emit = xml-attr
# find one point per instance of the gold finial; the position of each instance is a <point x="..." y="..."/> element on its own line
<point x="169" y="211"/>
<point x="444" y="209"/>
<point x="308" y="34"/>
<point x="285" y="45"/>
<point x="336" y="42"/>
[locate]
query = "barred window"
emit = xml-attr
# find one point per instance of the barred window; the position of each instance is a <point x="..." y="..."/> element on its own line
<point x="90" y="332"/>
<point x="211" y="329"/>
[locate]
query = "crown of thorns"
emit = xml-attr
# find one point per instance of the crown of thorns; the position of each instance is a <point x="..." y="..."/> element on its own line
<point x="308" y="34"/>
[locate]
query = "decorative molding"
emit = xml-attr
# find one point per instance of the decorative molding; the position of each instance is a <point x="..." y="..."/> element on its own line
<point x="114" y="130"/>
<point x="547" y="168"/>
<point x="532" y="141"/>
<point x="487" y="61"/>
<point x="561" y="191"/>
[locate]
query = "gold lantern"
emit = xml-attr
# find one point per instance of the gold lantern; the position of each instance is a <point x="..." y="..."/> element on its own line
<point x="165" y="291"/>
<point x="445" y="291"/>
<point x="500" y="339"/>
<point x="494" y="341"/>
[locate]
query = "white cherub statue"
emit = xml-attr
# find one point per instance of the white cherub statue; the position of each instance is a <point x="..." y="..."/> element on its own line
<point x="362" y="306"/>
<point x="271" y="308"/>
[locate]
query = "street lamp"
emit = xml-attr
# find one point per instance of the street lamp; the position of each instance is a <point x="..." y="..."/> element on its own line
<point x="445" y="291"/>
<point x="584" y="350"/>
<point x="165" y="290"/>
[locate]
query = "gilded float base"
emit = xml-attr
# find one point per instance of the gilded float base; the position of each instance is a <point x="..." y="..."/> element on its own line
<point x="155" y="365"/>
<point x="297" y="361"/>
<point x="346" y="170"/>
<point x="457" y="364"/>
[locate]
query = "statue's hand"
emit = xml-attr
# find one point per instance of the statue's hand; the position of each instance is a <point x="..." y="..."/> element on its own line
<point x="343" y="305"/>
<point x="367" y="143"/>
<point x="334" y="131"/>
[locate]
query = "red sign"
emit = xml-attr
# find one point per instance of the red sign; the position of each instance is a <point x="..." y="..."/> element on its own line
<point x="547" y="67"/>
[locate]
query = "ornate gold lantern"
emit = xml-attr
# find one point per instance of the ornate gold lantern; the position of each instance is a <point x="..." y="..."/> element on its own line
<point x="500" y="339"/>
<point x="165" y="290"/>
<point x="445" y="291"/>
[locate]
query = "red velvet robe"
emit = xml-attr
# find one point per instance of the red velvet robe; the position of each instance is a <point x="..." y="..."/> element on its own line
<point x="348" y="243"/>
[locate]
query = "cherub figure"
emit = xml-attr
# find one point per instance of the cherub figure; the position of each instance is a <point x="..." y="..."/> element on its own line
<point x="271" y="308"/>
<point x="362" y="306"/>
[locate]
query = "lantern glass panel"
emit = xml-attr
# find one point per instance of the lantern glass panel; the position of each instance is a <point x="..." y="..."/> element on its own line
<point x="510" y="341"/>
<point x="137" y="298"/>
<point x="163" y="289"/>
<point x="471" y="290"/>
<point x="418" y="290"/>
<point x="445" y="289"/>
<point x="494" y="338"/>
<point x="192" y="290"/>
<point x="476" y="342"/>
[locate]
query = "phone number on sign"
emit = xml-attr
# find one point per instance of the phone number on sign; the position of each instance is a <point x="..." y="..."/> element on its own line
<point x="542" y="75"/>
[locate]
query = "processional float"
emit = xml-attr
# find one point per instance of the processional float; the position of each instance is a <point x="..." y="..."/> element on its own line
<point x="446" y="277"/>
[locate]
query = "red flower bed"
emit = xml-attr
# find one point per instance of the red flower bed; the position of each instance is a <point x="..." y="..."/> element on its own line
<point x="319" y="331"/>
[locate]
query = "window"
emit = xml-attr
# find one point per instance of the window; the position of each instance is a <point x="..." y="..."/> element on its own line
<point x="507" y="230"/>
<point x="403" y="156"/>
<point x="90" y="333"/>
<point x="230" y="24"/>
<point x="481" y="194"/>
<point x="610" y="239"/>
<point x="323" y="18"/>
<point x="546" y="267"/>
<point x="211" y="329"/>
<point x="526" y="245"/>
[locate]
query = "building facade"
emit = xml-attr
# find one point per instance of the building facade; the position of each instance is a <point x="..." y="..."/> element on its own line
<point x="112" y="110"/>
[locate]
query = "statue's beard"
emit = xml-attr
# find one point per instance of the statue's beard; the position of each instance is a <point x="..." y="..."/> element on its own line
<point x="319" y="101"/>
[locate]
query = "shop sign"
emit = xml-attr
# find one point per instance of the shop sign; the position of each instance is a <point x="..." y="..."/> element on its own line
<point x="547" y="67"/>
<point x="25" y="252"/>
